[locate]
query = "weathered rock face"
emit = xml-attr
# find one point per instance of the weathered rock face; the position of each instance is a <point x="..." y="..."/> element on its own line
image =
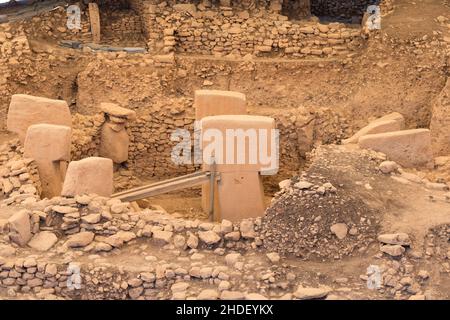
<point x="20" y="228"/>
<point x="25" y="110"/>
<point x="90" y="175"/>
<point x="49" y="145"/>
<point x="409" y="148"/>
<point x="43" y="241"/>
<point x="114" y="141"/>
<point x="440" y="123"/>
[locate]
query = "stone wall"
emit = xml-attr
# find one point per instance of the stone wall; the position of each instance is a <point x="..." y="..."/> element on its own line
<point x="200" y="29"/>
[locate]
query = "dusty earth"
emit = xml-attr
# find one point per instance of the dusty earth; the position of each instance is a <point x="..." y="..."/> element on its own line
<point x="402" y="68"/>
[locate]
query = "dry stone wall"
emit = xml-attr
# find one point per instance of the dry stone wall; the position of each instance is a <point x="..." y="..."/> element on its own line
<point x="215" y="30"/>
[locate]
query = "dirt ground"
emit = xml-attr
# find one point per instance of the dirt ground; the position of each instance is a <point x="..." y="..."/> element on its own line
<point x="400" y="69"/>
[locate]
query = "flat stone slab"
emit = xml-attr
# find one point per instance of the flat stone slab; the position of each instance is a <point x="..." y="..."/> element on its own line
<point x="409" y="148"/>
<point x="25" y="110"/>
<point x="391" y="122"/>
<point x="20" y="228"/>
<point x="43" y="241"/>
<point x="117" y="111"/>
<point x="90" y="175"/>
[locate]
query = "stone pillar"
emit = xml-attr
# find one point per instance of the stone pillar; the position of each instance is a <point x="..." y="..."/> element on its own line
<point x="92" y="175"/>
<point x="215" y="103"/>
<point x="240" y="191"/>
<point x="49" y="145"/>
<point x="114" y="140"/>
<point x="276" y="6"/>
<point x="25" y="110"/>
<point x="94" y="18"/>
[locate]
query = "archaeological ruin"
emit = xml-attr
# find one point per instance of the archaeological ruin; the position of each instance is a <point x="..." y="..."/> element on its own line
<point x="224" y="150"/>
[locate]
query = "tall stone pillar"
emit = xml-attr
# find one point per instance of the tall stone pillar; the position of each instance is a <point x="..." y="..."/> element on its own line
<point x="49" y="145"/>
<point x="94" y="17"/>
<point x="214" y="103"/>
<point x="114" y="141"/>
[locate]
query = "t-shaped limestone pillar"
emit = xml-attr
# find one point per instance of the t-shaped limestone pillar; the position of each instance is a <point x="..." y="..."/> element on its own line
<point x="114" y="137"/>
<point x="242" y="148"/>
<point x="90" y="175"/>
<point x="215" y="103"/>
<point x="25" y="110"/>
<point x="49" y="145"/>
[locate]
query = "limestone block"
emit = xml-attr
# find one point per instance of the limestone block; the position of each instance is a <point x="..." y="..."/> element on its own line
<point x="391" y="122"/>
<point x="409" y="148"/>
<point x="240" y="142"/>
<point x="218" y="102"/>
<point x="94" y="17"/>
<point x="90" y="175"/>
<point x="114" y="144"/>
<point x="49" y="145"/>
<point x="25" y="110"/>
<point x="239" y="193"/>
<point x="117" y="111"/>
<point x="20" y="228"/>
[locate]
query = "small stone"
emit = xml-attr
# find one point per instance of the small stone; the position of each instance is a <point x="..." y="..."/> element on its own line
<point x="395" y="238"/>
<point x="162" y="237"/>
<point x="393" y="250"/>
<point x="179" y="287"/>
<point x="209" y="237"/>
<point x="311" y="293"/>
<point x="303" y="185"/>
<point x="231" y="295"/>
<point x="388" y="166"/>
<point x="274" y="257"/>
<point x="81" y="239"/>
<point x="91" y="218"/>
<point x="340" y="230"/>
<point x="208" y="294"/>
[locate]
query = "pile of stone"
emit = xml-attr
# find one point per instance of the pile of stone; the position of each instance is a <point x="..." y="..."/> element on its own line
<point x="319" y="215"/>
<point x="19" y="176"/>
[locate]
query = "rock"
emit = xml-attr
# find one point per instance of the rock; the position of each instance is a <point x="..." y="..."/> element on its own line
<point x="64" y="209"/>
<point x="232" y="258"/>
<point x="91" y="218"/>
<point x="226" y="226"/>
<point x="231" y="295"/>
<point x="395" y="238"/>
<point x="303" y="185"/>
<point x="273" y="257"/>
<point x="388" y="166"/>
<point x="179" y="241"/>
<point x="209" y="237"/>
<point x="135" y="292"/>
<point x="409" y="148"/>
<point x="393" y="250"/>
<point x="423" y="274"/>
<point x="391" y="122"/>
<point x="208" y="294"/>
<point x="340" y="230"/>
<point x="192" y="241"/>
<point x="311" y="293"/>
<point x="247" y="229"/>
<point x="162" y="237"/>
<point x="43" y="241"/>
<point x="20" y="228"/>
<point x="255" y="296"/>
<point x="81" y="239"/>
<point x="117" y="111"/>
<point x="25" y="110"/>
<point x="90" y="175"/>
<point x="179" y="287"/>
